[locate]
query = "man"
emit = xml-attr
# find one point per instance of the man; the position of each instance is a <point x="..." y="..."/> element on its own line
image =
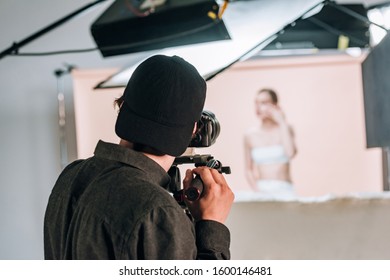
<point x="115" y="205"/>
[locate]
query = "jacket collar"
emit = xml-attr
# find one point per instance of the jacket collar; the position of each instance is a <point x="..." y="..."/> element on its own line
<point x="155" y="173"/>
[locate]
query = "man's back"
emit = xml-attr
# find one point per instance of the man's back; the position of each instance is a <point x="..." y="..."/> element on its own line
<point x="108" y="207"/>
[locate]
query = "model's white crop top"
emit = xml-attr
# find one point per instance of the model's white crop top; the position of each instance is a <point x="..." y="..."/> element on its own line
<point x="269" y="154"/>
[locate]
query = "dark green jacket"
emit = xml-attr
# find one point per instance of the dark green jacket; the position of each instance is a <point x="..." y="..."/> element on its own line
<point x="114" y="205"/>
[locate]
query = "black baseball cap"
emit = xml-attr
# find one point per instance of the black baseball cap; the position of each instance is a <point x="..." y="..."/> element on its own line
<point x="162" y="101"/>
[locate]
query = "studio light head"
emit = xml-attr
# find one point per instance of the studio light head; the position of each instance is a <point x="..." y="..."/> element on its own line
<point x="130" y="26"/>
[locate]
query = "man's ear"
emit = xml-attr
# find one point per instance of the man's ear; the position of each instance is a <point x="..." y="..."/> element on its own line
<point x="195" y="128"/>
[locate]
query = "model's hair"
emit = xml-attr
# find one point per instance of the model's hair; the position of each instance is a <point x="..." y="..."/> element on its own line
<point x="271" y="93"/>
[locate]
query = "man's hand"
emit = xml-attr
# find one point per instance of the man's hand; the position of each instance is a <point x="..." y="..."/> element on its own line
<point x="216" y="199"/>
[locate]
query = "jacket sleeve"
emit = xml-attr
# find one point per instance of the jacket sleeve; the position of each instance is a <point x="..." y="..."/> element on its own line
<point x="166" y="233"/>
<point x="212" y="240"/>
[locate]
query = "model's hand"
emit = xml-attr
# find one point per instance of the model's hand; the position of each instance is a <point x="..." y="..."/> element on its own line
<point x="216" y="199"/>
<point x="276" y="113"/>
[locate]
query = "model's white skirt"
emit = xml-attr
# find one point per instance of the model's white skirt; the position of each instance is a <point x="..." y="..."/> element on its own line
<point x="275" y="188"/>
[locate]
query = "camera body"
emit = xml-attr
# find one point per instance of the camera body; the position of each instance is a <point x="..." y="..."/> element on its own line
<point x="207" y="131"/>
<point x="206" y="134"/>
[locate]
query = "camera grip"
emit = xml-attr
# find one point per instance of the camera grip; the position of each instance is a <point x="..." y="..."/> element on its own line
<point x="195" y="190"/>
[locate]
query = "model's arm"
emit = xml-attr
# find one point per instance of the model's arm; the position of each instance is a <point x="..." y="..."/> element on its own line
<point x="249" y="166"/>
<point x="288" y="141"/>
<point x="286" y="132"/>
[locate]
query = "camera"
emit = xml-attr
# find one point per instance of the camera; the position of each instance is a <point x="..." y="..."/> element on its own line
<point x="206" y="134"/>
<point x="207" y="131"/>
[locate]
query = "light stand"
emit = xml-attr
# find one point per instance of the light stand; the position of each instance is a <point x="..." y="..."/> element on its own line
<point x="386" y="168"/>
<point x="14" y="48"/>
<point x="59" y="73"/>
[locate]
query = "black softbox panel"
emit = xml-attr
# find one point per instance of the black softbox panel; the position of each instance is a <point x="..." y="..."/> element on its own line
<point x="127" y="27"/>
<point x="322" y="30"/>
<point x="376" y="87"/>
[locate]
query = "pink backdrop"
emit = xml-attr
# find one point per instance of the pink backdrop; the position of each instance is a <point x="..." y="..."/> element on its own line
<point x="323" y="101"/>
<point x="321" y="96"/>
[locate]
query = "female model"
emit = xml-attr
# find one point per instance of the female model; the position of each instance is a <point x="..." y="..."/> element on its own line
<point x="269" y="147"/>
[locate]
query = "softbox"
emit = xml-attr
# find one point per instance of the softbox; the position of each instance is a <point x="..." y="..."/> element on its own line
<point x="130" y="26"/>
<point x="376" y="88"/>
<point x="323" y="30"/>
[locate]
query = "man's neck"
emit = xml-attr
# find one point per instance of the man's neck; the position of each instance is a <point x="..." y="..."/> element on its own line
<point x="165" y="161"/>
